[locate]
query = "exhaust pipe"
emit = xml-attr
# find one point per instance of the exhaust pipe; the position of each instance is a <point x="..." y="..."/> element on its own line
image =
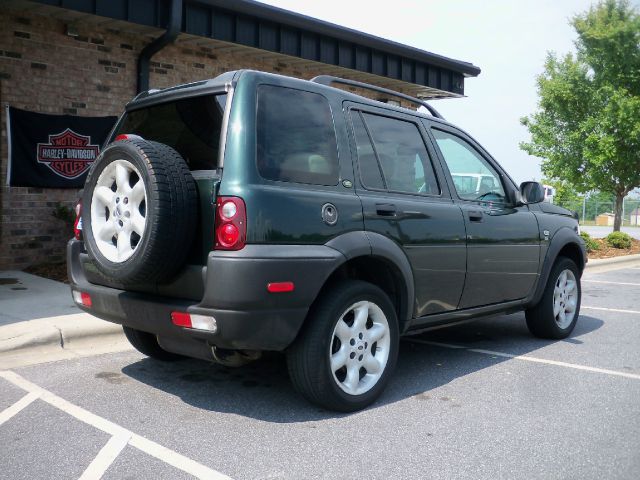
<point x="234" y="358"/>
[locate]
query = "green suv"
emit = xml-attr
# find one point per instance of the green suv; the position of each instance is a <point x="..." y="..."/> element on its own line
<point x="255" y="212"/>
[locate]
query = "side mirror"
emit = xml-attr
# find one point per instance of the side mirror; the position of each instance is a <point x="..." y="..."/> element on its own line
<point x="531" y="192"/>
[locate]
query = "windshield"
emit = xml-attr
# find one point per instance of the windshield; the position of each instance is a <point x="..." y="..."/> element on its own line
<point x="191" y="126"/>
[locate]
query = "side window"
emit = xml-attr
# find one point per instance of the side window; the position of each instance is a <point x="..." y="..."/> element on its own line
<point x="473" y="177"/>
<point x="400" y="152"/>
<point x="370" y="173"/>
<point x="296" y="140"/>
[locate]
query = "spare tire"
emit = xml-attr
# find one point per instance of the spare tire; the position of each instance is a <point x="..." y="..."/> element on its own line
<point x="139" y="211"/>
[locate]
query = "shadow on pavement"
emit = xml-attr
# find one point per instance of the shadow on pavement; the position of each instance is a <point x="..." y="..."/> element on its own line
<point x="262" y="390"/>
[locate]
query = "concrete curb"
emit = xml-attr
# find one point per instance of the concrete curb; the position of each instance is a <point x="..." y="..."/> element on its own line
<point x="601" y="262"/>
<point x="57" y="338"/>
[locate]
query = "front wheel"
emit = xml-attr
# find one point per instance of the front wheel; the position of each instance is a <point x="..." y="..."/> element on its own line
<point x="347" y="350"/>
<point x="556" y="314"/>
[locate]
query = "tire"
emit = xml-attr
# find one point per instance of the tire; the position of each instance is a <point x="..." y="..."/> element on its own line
<point x="556" y="314"/>
<point x="139" y="212"/>
<point x="335" y="316"/>
<point x="147" y="344"/>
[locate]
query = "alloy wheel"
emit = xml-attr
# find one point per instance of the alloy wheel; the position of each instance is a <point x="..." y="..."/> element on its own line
<point x="360" y="347"/>
<point x="565" y="298"/>
<point x="118" y="211"/>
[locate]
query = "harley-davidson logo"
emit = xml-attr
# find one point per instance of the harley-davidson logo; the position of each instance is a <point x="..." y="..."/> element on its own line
<point x="68" y="154"/>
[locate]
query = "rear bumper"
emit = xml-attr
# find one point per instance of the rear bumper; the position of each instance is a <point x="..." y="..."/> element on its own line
<point x="234" y="286"/>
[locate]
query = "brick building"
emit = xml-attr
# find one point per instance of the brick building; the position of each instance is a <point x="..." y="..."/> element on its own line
<point x="81" y="58"/>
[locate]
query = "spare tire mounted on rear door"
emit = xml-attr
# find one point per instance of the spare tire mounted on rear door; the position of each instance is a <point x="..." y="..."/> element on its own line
<point x="139" y="211"/>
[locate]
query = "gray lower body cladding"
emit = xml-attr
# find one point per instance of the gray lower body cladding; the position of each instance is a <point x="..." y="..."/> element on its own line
<point x="234" y="292"/>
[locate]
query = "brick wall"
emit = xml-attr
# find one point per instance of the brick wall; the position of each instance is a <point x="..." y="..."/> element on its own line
<point x="42" y="69"/>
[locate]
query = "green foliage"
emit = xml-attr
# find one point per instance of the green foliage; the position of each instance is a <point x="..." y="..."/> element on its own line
<point x="587" y="127"/>
<point x="590" y="243"/>
<point x="618" y="240"/>
<point x="597" y="203"/>
<point x="64" y="213"/>
<point x="565" y="193"/>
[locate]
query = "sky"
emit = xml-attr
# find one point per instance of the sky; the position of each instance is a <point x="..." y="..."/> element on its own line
<point x="507" y="39"/>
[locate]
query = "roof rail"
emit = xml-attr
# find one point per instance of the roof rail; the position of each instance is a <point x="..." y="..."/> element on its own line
<point x="329" y="79"/>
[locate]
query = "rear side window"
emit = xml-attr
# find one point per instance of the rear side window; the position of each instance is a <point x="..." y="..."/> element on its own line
<point x="370" y="172"/>
<point x="191" y="126"/>
<point x="296" y="140"/>
<point x="392" y="155"/>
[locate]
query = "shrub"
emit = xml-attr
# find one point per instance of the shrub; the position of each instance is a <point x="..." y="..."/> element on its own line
<point x="590" y="243"/>
<point x="618" y="240"/>
<point x="64" y="213"/>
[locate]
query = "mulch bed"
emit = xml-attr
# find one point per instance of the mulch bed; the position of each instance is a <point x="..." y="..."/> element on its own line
<point x="605" y="251"/>
<point x="52" y="271"/>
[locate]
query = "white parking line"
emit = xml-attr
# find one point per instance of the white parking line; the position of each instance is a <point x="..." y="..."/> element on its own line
<point x="526" y="358"/>
<point x="611" y="283"/>
<point x="174" y="458"/>
<point x="17" y="407"/>
<point x="106" y="456"/>
<point x="166" y="455"/>
<point x="619" y="310"/>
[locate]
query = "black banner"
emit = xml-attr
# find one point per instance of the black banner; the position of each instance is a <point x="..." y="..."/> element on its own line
<point x="53" y="151"/>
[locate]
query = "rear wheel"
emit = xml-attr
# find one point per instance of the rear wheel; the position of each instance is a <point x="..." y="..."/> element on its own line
<point x="147" y="344"/>
<point x="556" y="314"/>
<point x="343" y="358"/>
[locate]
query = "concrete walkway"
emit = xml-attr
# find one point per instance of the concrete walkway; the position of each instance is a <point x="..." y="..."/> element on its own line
<point x="26" y="297"/>
<point x="39" y="322"/>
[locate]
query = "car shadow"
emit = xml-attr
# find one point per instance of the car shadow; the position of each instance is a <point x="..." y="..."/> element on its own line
<point x="262" y="389"/>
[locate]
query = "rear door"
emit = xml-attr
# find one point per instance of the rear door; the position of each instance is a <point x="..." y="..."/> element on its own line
<point x="503" y="240"/>
<point x="403" y="199"/>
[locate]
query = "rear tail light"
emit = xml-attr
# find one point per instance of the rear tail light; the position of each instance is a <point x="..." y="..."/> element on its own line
<point x="231" y="224"/>
<point x="77" y="224"/>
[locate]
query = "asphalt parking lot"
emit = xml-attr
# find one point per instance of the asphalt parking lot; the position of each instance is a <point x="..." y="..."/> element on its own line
<point x="479" y="400"/>
<point x="597" y="231"/>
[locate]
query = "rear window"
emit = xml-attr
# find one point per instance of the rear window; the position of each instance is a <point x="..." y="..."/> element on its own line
<point x="296" y="140"/>
<point x="191" y="126"/>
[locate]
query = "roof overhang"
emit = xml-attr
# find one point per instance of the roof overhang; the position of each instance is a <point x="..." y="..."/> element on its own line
<point x="256" y="31"/>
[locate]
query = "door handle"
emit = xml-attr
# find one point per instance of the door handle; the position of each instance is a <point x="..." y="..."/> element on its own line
<point x="386" y="209"/>
<point x="475" y="215"/>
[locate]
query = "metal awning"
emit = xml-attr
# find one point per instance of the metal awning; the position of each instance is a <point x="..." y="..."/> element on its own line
<point x="257" y="32"/>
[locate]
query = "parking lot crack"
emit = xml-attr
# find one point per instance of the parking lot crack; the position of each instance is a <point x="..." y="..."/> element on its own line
<point x="61" y="337"/>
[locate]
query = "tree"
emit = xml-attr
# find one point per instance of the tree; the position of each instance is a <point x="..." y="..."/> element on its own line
<point x="564" y="192"/>
<point x="587" y="126"/>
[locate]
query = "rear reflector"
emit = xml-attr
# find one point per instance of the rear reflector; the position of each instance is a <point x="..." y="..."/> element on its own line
<point x="279" y="287"/>
<point x="181" y="319"/>
<point x="197" y="322"/>
<point x="82" y="298"/>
